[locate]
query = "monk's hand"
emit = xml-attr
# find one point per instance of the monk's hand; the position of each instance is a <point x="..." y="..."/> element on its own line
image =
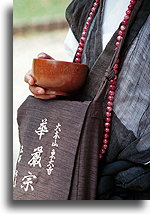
<point x="37" y="91"/>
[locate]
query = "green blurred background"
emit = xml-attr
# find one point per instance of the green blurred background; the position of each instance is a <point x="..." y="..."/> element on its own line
<point x="38" y="11"/>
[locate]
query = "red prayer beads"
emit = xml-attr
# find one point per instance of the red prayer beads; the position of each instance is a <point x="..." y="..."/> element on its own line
<point x="84" y="33"/>
<point x="113" y="83"/>
<point x="112" y="87"/>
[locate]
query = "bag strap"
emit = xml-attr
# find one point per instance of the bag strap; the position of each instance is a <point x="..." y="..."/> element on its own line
<point x="109" y="74"/>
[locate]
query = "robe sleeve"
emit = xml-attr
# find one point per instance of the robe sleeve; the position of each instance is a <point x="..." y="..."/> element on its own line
<point x="71" y="44"/>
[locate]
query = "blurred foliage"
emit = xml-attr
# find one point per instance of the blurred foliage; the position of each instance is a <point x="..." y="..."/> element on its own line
<point x="33" y="11"/>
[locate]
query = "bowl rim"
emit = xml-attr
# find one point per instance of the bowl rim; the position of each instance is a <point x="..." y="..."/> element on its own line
<point x="61" y="61"/>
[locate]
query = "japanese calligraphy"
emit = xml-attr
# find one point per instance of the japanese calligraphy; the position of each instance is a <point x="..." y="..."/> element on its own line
<point x="20" y="154"/>
<point x="42" y="129"/>
<point x="36" y="157"/>
<point x="15" y="178"/>
<point x="50" y="166"/>
<point x="27" y="182"/>
<point x="56" y="137"/>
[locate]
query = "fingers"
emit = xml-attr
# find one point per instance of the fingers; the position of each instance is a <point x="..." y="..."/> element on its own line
<point x="40" y="93"/>
<point x="36" y="90"/>
<point x="44" y="56"/>
<point x="45" y="97"/>
<point x="29" y="79"/>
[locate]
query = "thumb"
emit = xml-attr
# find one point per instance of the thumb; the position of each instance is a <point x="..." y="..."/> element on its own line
<point x="44" y="56"/>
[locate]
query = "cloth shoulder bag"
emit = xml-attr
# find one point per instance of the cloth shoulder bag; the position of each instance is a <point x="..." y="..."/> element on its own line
<point x="59" y="146"/>
<point x="60" y="140"/>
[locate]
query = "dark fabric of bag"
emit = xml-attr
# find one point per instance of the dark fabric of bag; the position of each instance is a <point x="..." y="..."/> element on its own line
<point x="71" y="117"/>
<point x="84" y="184"/>
<point x="74" y="175"/>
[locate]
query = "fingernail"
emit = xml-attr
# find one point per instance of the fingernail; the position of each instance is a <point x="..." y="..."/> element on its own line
<point x="52" y="96"/>
<point x="30" y="82"/>
<point x="52" y="92"/>
<point x="40" y="91"/>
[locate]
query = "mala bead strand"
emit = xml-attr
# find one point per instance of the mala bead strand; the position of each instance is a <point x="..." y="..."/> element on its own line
<point x="113" y="83"/>
<point x="84" y="33"/>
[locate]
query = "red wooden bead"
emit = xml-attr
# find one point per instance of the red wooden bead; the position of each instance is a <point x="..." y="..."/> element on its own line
<point x="128" y="12"/>
<point x="112" y="87"/>
<point x="97" y="1"/>
<point x="95" y="4"/>
<point x="111" y="98"/>
<point x="81" y="44"/>
<point x="91" y="14"/>
<point x="108" y="119"/>
<point x="105" y="147"/>
<point x="102" y="151"/>
<point x="78" y="60"/>
<point x="130" y="7"/>
<point x="83" y="39"/>
<point x="120" y="33"/>
<point x="108" y="114"/>
<point x="126" y="17"/>
<point x="105" y="141"/>
<point x="117" y="44"/>
<point x="112" y="82"/>
<point x="93" y="9"/>
<point x="89" y="19"/>
<point x="111" y="93"/>
<point x="119" y="38"/>
<point x="107" y="125"/>
<point x="85" y="29"/>
<point x="110" y="103"/>
<point x="87" y="24"/>
<point x="80" y="50"/>
<point x="115" y="78"/>
<point x="106" y="136"/>
<point x="106" y="130"/>
<point x="78" y="55"/>
<point x="109" y="109"/>
<point x="122" y="27"/>
<point x="132" y="2"/>
<point x="84" y="34"/>
<point x="116" y="71"/>
<point x="115" y="66"/>
<point x="124" y="22"/>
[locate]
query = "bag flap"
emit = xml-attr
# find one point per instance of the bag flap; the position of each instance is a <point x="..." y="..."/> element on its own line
<point x="49" y="133"/>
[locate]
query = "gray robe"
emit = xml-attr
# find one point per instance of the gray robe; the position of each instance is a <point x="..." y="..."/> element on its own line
<point x="130" y="124"/>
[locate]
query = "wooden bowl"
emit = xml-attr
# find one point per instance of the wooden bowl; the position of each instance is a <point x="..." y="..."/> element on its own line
<point x="59" y="76"/>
